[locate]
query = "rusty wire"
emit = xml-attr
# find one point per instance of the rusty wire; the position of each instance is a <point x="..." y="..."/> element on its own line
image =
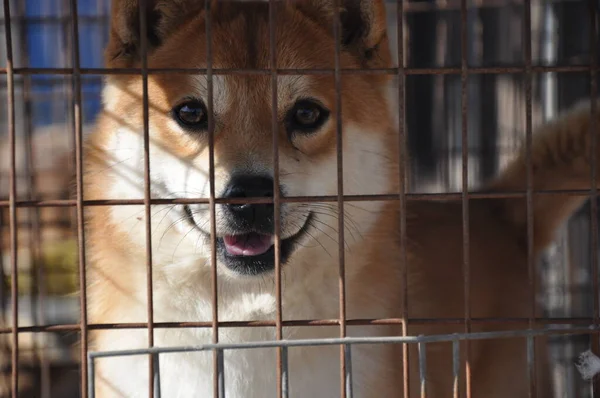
<point x="78" y="131"/>
<point x="12" y="202"/>
<point x="401" y="72"/>
<point x="300" y="199"/>
<point x="595" y="342"/>
<point x="345" y="379"/>
<point x="299" y="72"/>
<point x="306" y="323"/>
<point x="529" y="195"/>
<point x="402" y="167"/>
<point x="464" y="75"/>
<point x="218" y="360"/>
<point x="282" y="384"/>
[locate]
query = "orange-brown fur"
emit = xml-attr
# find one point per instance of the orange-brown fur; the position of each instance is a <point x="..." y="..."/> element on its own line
<point x="499" y="280"/>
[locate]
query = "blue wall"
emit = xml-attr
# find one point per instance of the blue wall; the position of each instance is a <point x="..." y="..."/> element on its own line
<point x="48" y="44"/>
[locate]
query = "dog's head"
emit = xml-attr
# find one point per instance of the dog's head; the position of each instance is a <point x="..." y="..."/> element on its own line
<point x="245" y="109"/>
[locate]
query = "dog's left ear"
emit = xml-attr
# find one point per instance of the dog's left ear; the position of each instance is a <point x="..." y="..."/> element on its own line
<point x="163" y="17"/>
<point x="363" y="24"/>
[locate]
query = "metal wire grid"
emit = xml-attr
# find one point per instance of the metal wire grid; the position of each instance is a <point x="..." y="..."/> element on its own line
<point x="464" y="71"/>
<point x="345" y="343"/>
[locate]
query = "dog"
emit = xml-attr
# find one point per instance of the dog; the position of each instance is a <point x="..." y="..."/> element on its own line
<point x="376" y="270"/>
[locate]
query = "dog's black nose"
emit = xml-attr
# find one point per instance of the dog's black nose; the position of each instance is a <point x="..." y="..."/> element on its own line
<point x="248" y="216"/>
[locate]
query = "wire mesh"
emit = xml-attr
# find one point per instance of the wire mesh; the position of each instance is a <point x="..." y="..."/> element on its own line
<point x="347" y="342"/>
<point x="448" y="162"/>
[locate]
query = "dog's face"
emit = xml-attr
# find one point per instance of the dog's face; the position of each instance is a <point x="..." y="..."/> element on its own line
<point x="245" y="114"/>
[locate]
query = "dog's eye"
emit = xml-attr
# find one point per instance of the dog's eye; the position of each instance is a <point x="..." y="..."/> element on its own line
<point x="191" y="114"/>
<point x="306" y="116"/>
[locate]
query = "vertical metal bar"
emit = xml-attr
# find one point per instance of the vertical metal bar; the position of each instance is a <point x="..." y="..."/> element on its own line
<point x="221" y="373"/>
<point x="79" y="176"/>
<point x="143" y="4"/>
<point x="38" y="277"/>
<point x="340" y="192"/>
<point x="68" y="45"/>
<point x="402" y="190"/>
<point x="456" y="368"/>
<point x="91" y="372"/>
<point x="156" y="376"/>
<point x="211" y="201"/>
<point x="423" y="368"/>
<point x="530" y="364"/>
<point x="285" y="385"/>
<point x="348" y="349"/>
<point x="276" y="192"/>
<point x="4" y="348"/>
<point x="464" y="74"/>
<point x="595" y="343"/>
<point x="529" y="188"/>
<point x="69" y="95"/>
<point x="12" y="208"/>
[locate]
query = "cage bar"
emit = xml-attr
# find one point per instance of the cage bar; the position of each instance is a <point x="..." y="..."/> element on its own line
<point x="79" y="201"/>
<point x="12" y="202"/>
<point x="464" y="75"/>
<point x="595" y="342"/>
<point x="456" y="368"/>
<point x="423" y="369"/>
<point x="284" y="373"/>
<point x="317" y="342"/>
<point x="221" y="373"/>
<point x="91" y="375"/>
<point x="276" y="193"/>
<point x="340" y="192"/>
<point x="348" y="374"/>
<point x="529" y="71"/>
<point x="147" y="187"/>
<point x="402" y="166"/>
<point x="211" y="172"/>
<point x="497" y="70"/>
<point x="529" y="197"/>
<point x="300" y="199"/>
<point x="302" y="323"/>
<point x="156" y="376"/>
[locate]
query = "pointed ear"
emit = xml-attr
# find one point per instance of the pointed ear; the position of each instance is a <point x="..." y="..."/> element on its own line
<point x="162" y="18"/>
<point x="363" y="24"/>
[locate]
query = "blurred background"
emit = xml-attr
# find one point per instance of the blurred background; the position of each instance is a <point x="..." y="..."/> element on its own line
<point x="562" y="34"/>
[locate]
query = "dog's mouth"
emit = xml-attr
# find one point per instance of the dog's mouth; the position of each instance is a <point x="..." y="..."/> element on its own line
<point x="251" y="244"/>
<point x="252" y="253"/>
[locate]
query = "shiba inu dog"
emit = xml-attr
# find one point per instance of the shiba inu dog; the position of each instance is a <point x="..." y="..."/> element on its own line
<point x="307" y="119"/>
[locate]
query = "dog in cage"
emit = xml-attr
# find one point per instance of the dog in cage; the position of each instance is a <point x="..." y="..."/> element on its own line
<point x="213" y="208"/>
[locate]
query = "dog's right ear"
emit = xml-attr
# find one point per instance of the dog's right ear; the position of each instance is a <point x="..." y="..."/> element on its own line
<point x="363" y="23"/>
<point x="162" y="18"/>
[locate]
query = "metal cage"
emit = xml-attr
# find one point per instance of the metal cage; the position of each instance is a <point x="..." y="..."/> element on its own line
<point x="487" y="90"/>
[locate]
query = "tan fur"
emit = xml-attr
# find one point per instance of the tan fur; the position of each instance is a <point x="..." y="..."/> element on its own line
<point x="497" y="228"/>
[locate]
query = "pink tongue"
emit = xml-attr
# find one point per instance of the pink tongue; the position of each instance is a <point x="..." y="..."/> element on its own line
<point x="251" y="244"/>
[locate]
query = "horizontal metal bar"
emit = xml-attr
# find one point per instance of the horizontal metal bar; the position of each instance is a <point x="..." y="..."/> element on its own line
<point x="299" y="199"/>
<point x="350" y="340"/>
<point x="299" y="72"/>
<point x="303" y="323"/>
